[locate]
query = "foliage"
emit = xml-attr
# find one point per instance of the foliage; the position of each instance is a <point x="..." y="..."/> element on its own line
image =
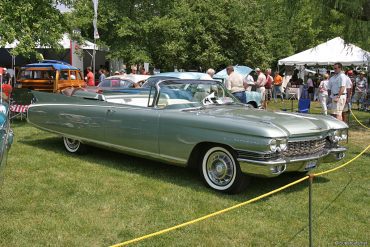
<point x="190" y="34"/>
<point x="32" y="22"/>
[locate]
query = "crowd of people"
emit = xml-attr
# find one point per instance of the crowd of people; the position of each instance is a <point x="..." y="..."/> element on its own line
<point x="102" y="73"/>
<point x="336" y="92"/>
<point x="269" y="86"/>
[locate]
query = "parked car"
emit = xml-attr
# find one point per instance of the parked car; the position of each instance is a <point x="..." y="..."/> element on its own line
<point x="119" y="82"/>
<point x="6" y="136"/>
<point x="195" y="123"/>
<point x="49" y="76"/>
<point x="252" y="97"/>
<point x="152" y="80"/>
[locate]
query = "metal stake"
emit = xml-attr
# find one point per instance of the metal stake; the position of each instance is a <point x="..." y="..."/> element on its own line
<point x="310" y="210"/>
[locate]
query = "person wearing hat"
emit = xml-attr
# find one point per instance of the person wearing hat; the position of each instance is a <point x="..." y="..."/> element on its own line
<point x="361" y="89"/>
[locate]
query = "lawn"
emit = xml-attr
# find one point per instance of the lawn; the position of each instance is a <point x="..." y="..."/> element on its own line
<point x="51" y="198"/>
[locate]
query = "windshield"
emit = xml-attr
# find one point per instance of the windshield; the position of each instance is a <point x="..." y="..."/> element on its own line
<point x="37" y="74"/>
<point x="151" y="81"/>
<point x="182" y="93"/>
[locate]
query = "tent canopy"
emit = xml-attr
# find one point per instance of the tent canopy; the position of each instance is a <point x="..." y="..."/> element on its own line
<point x="330" y="52"/>
<point x="65" y="42"/>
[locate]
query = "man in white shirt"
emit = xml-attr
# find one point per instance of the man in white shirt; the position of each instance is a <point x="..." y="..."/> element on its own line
<point x="337" y="88"/>
<point x="234" y="83"/>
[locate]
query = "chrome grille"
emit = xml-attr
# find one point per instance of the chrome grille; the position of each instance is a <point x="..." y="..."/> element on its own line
<point x="301" y="148"/>
<point x="256" y="156"/>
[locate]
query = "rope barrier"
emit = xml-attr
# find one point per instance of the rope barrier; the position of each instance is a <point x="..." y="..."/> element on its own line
<point x="243" y="203"/>
<point x="211" y="215"/>
<point x="358" y="120"/>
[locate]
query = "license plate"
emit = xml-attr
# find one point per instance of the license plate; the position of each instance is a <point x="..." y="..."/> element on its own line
<point x="310" y="165"/>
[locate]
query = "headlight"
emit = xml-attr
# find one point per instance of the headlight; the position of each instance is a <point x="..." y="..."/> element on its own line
<point x="278" y="145"/>
<point x="344" y="134"/>
<point x="283" y="144"/>
<point x="273" y="145"/>
<point x="339" y="135"/>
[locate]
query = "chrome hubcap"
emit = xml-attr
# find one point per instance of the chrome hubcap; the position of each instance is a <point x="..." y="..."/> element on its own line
<point x="72" y="144"/>
<point x="220" y="168"/>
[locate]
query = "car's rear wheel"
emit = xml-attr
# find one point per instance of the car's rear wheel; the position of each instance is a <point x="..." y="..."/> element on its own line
<point x="72" y="145"/>
<point x="221" y="171"/>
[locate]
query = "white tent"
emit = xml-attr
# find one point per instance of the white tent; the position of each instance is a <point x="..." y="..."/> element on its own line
<point x="330" y="52"/>
<point x="65" y="42"/>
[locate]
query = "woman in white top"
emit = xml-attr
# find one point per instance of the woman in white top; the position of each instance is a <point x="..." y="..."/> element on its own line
<point x="323" y="94"/>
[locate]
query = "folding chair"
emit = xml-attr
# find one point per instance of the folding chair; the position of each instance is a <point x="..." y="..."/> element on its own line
<point x="20" y="100"/>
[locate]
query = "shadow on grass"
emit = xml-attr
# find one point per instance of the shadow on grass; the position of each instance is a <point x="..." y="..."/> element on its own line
<point x="305" y="228"/>
<point x="172" y="174"/>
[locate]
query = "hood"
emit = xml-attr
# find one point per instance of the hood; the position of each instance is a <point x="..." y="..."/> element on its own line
<point x="270" y="124"/>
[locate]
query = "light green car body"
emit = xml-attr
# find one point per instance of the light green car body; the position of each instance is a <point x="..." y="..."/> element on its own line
<point x="178" y="135"/>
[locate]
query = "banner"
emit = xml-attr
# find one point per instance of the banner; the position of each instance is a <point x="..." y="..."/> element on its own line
<point x="95" y="20"/>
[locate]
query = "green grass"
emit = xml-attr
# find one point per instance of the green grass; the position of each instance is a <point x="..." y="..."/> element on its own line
<point x="52" y="198"/>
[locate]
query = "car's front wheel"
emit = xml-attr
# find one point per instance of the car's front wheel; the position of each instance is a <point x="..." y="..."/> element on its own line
<point x="221" y="171"/>
<point x="72" y="145"/>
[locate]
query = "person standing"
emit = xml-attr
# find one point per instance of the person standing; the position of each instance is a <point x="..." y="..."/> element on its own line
<point x="248" y="82"/>
<point x="268" y="85"/>
<point x="310" y="87"/>
<point x="278" y="81"/>
<point x="337" y="88"/>
<point x="101" y="75"/>
<point x="323" y="94"/>
<point x="361" y="88"/>
<point x="234" y="83"/>
<point x="347" y="105"/>
<point x="90" y="77"/>
<point x="260" y="84"/>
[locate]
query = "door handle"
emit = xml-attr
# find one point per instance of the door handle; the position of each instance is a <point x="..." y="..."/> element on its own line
<point x="110" y="111"/>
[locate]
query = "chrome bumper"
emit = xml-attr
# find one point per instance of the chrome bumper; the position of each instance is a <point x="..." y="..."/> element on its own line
<point x="273" y="168"/>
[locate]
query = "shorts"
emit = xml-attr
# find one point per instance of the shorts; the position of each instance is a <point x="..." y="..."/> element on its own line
<point x="358" y="97"/>
<point x="262" y="90"/>
<point x="338" y="106"/>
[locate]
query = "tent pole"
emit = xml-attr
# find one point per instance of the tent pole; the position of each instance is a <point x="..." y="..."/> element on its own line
<point x="94" y="51"/>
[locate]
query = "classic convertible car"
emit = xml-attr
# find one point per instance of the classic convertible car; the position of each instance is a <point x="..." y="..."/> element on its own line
<point x="195" y="123"/>
<point x="6" y="136"/>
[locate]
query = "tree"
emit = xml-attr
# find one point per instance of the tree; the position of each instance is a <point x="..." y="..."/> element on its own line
<point x="33" y="23"/>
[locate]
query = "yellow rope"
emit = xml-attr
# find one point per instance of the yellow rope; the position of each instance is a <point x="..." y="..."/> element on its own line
<point x="341" y="166"/>
<point x="210" y="215"/>
<point x="358" y="120"/>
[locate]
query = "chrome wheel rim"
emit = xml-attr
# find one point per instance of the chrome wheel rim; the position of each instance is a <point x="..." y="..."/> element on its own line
<point x="71" y="144"/>
<point x="220" y="168"/>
